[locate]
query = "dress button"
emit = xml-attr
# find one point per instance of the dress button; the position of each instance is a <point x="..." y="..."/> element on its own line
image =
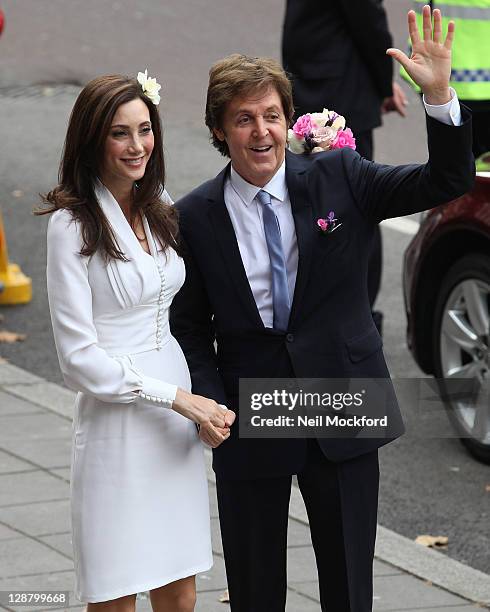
<point x="290" y="337"/>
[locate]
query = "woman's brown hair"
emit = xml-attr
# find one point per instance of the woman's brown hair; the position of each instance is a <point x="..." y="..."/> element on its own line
<point x="88" y="127"/>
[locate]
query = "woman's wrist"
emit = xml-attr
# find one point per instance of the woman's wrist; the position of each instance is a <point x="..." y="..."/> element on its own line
<point x="182" y="404"/>
<point x="185" y="404"/>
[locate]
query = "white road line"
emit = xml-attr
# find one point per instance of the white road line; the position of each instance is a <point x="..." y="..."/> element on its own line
<point x="401" y="224"/>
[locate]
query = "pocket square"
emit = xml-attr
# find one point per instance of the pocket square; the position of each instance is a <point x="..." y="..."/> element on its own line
<point x="328" y="225"/>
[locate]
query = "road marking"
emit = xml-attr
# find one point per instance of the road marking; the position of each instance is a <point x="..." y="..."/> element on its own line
<point x="400" y="224"/>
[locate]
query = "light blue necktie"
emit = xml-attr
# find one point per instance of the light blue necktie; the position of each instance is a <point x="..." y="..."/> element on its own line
<point x="280" y="293"/>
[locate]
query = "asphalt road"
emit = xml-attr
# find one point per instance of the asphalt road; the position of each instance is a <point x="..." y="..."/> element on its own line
<point x="51" y="47"/>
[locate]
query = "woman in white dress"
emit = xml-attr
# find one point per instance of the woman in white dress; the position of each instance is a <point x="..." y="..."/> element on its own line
<point x="140" y="517"/>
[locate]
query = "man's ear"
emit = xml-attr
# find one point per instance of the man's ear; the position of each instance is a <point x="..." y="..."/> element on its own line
<point x="220" y="135"/>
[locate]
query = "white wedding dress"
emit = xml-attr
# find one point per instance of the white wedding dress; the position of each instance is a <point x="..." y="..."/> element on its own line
<point x="140" y="514"/>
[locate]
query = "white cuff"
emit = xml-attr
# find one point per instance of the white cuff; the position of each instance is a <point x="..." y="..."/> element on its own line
<point x="158" y="392"/>
<point x="449" y="113"/>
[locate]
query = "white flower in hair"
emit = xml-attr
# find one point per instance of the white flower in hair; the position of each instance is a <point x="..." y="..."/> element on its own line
<point x="150" y="86"/>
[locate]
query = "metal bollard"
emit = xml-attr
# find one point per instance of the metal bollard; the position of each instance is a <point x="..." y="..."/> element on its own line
<point x="17" y="287"/>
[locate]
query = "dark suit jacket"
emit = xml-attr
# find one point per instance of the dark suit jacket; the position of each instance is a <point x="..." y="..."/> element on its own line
<point x="331" y="332"/>
<point x="340" y="44"/>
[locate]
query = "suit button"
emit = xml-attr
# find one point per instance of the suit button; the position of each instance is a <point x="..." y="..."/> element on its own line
<point x="290" y="337"/>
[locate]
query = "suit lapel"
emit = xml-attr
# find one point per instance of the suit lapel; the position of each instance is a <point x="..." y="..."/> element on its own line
<point x="304" y="226"/>
<point x="227" y="242"/>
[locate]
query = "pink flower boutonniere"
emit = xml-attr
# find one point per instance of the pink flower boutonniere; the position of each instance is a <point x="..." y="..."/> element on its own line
<point x="328" y="225"/>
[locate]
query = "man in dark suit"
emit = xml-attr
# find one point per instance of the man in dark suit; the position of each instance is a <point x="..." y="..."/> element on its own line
<point x="267" y="295"/>
<point x="335" y="54"/>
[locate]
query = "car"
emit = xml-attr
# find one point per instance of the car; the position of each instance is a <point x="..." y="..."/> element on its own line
<point x="446" y="285"/>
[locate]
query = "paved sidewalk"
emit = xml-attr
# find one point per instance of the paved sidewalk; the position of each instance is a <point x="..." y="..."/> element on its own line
<point x="35" y="548"/>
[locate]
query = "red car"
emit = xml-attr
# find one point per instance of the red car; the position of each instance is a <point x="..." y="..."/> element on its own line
<point x="446" y="283"/>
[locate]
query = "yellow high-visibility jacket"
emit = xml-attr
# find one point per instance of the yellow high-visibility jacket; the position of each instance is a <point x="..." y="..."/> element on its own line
<point x="470" y="73"/>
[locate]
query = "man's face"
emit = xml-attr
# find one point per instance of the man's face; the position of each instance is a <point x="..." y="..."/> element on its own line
<point x="255" y="130"/>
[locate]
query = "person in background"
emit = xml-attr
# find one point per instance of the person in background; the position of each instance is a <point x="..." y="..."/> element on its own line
<point x="470" y="71"/>
<point x="335" y="53"/>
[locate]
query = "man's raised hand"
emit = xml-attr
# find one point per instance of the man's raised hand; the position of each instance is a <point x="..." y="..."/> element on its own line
<point x="430" y="63"/>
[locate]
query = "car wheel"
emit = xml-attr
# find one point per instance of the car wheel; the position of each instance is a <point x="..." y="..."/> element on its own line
<point x="461" y="339"/>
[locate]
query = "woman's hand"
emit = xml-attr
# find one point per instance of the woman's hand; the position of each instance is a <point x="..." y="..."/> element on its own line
<point x="214" y="420"/>
<point x="214" y="436"/>
<point x="430" y="63"/>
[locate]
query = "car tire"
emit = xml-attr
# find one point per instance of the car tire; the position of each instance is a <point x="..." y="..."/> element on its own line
<point x="461" y="339"/>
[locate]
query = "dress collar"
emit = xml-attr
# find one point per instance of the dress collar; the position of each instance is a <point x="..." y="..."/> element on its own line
<point x="276" y="187"/>
<point x="122" y="230"/>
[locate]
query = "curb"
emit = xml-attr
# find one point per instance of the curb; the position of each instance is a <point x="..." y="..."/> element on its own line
<point x="392" y="548"/>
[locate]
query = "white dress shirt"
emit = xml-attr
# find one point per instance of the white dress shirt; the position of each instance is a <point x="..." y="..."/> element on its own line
<point x="246" y="217"/>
